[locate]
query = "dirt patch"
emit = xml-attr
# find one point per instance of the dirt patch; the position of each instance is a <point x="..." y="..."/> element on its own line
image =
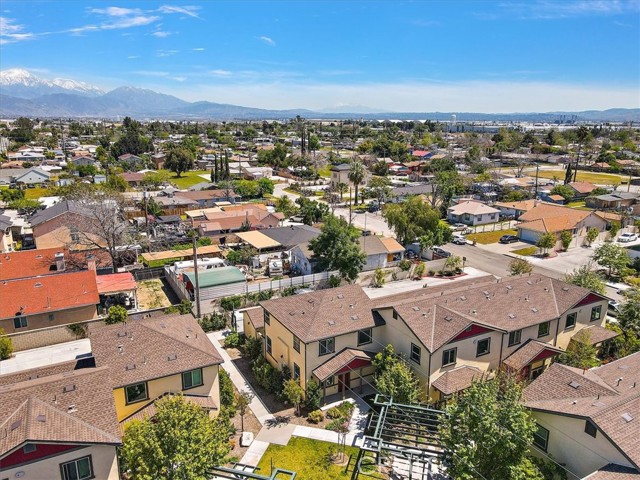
<point x="153" y="294"/>
<point x="251" y="424"/>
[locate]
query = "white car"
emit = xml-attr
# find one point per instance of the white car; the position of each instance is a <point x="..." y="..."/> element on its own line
<point x="628" y="237"/>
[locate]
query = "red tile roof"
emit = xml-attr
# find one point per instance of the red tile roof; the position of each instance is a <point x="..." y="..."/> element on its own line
<point x="28" y="263"/>
<point x="116" y="282"/>
<point x="48" y="293"/>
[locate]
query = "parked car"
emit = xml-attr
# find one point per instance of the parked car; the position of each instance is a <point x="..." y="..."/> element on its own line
<point x="628" y="237"/>
<point x="613" y="308"/>
<point x="441" y="253"/>
<point x="410" y="254"/>
<point x="509" y="239"/>
<point x="459" y="240"/>
<point x="366" y="233"/>
<point x="459" y="226"/>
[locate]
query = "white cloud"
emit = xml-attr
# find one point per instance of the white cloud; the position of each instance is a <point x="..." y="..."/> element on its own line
<point x="131" y="57"/>
<point x="178" y="79"/>
<point x="128" y="22"/>
<point x="220" y="73"/>
<point x="553" y="10"/>
<point x="166" y="53"/>
<point x="11" y="32"/>
<point x="267" y="40"/>
<point x="150" y="73"/>
<point x="161" y="34"/>
<point x="199" y="49"/>
<point x="189" y="10"/>
<point x="116" y="11"/>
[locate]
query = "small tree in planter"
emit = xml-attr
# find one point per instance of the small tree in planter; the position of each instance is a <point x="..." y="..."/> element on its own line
<point x="242" y="401"/>
<point x="546" y="242"/>
<point x="592" y="234"/>
<point x="378" y="278"/>
<point x="566" y="237"/>
<point x="453" y="263"/>
<point x="294" y="393"/>
<point x="419" y="271"/>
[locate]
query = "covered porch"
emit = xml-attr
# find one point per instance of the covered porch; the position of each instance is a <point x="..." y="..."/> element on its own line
<point x="453" y="381"/>
<point x="117" y="289"/>
<point x="350" y="369"/>
<point x="531" y="359"/>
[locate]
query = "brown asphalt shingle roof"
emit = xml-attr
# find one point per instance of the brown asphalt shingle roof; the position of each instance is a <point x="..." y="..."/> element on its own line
<point x="142" y="350"/>
<point x="552" y="218"/>
<point x="526" y="353"/>
<point x="614" y="472"/>
<point x="72" y="407"/>
<point x="608" y="395"/>
<point x="457" y="379"/>
<point x="149" y="410"/>
<point x="597" y="334"/>
<point x="255" y="316"/>
<point x="340" y="360"/>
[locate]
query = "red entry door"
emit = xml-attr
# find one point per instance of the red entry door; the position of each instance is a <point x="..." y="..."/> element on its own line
<point x="344" y="381"/>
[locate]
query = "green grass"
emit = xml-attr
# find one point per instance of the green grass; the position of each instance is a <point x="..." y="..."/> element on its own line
<point x="309" y="459"/>
<point x="35" y="193"/>
<point x="489" y="237"/>
<point x="188" y="179"/>
<point x="526" y="252"/>
<point x="325" y="171"/>
<point x="597" y="178"/>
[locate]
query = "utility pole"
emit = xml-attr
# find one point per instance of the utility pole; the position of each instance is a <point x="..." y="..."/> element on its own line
<point x="195" y="268"/>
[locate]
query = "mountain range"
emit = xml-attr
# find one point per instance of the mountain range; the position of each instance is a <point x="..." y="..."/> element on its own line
<point x="25" y="94"/>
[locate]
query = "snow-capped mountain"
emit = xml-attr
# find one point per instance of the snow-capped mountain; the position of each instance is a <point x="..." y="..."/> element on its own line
<point x="21" y="83"/>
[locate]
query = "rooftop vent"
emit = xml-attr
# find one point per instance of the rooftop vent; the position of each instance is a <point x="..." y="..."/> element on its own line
<point x="354" y="317"/>
<point x="624" y="367"/>
<point x="172" y="357"/>
<point x="292" y="313"/>
<point x="627" y="417"/>
<point x="534" y="310"/>
<point x="448" y="318"/>
<point x="15" y="425"/>
<point x="565" y="289"/>
<point x="463" y="298"/>
<point x="340" y="296"/>
<point x="162" y="325"/>
<point x="122" y="334"/>
<point x="415" y="309"/>
<point x="131" y="366"/>
<point x="311" y="300"/>
<point x="512" y="316"/>
<point x="332" y="323"/>
<point x="68" y="388"/>
<point x="38" y="285"/>
<point x="486" y="293"/>
<point x="574" y="384"/>
<point x="509" y="287"/>
<point x="41" y="418"/>
<point x="529" y="282"/>
<point x="71" y="409"/>
<point x="597" y="404"/>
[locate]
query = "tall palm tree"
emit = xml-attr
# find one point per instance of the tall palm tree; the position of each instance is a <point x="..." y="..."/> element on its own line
<point x="357" y="175"/>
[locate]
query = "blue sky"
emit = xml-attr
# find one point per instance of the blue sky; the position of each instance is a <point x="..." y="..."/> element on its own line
<point x="487" y="56"/>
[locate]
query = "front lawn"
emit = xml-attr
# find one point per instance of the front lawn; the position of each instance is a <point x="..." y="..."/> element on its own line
<point x="489" y="237"/>
<point x="36" y="193"/>
<point x="188" y="179"/>
<point x="526" y="252"/>
<point x="592" y="177"/>
<point x="311" y="459"/>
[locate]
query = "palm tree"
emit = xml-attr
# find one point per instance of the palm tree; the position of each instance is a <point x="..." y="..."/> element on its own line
<point x="342" y="188"/>
<point x="357" y="175"/>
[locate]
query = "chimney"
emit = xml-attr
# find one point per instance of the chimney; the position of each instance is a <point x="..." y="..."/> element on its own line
<point x="59" y="257"/>
<point x="91" y="262"/>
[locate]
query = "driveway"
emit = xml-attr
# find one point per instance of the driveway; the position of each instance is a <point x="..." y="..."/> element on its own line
<point x="366" y="221"/>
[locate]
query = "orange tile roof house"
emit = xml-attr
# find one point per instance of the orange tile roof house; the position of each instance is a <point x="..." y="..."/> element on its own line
<point x="58" y="422"/>
<point x="588" y="419"/>
<point x="582" y="189"/>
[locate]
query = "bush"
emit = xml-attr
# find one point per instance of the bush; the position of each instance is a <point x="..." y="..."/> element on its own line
<point x="312" y="395"/>
<point x="226" y="389"/>
<point x="231" y="303"/>
<point x="78" y="329"/>
<point x="267" y="377"/>
<point x="335" y="425"/>
<point x="184" y="307"/>
<point x="419" y="271"/>
<point x="252" y="347"/>
<point x="346" y="408"/>
<point x="233" y="340"/>
<point x="213" y="322"/>
<point x="316" y="416"/>
<point x="116" y="314"/>
<point x="334" y="413"/>
<point x="404" y="265"/>
<point x="287" y="292"/>
<point x="6" y="346"/>
<point x="334" y="281"/>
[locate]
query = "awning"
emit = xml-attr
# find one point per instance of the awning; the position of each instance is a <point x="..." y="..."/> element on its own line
<point x="531" y="351"/>
<point x="115" y="283"/>
<point x="457" y="379"/>
<point x="597" y="334"/>
<point x="348" y="359"/>
<point x="258" y="239"/>
<point x="216" y="277"/>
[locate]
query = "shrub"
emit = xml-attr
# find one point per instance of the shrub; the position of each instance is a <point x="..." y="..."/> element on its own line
<point x="316" y="416"/>
<point x="267" y="377"/>
<point x="184" y="307"/>
<point x="226" y="389"/>
<point x="312" y="395"/>
<point x="233" y="340"/>
<point x="6" y="346"/>
<point x="78" y="329"/>
<point x="213" y="322"/>
<point x="346" y="408"/>
<point x="252" y="347"/>
<point x="116" y="314"/>
<point x="287" y="292"/>
<point x="419" y="271"/>
<point x="334" y="413"/>
<point x="336" y="425"/>
<point x="334" y="281"/>
<point x="404" y="265"/>
<point x="231" y="303"/>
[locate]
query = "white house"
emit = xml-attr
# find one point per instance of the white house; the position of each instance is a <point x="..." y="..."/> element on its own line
<point x="472" y="213"/>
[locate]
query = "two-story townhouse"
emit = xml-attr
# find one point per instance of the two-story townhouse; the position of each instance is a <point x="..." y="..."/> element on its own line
<point x="58" y="422"/>
<point x="328" y="335"/>
<point x="153" y="357"/>
<point x="588" y="420"/>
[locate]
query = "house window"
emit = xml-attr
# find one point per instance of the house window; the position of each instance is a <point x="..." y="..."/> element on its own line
<point x="596" y="313"/>
<point x="192" y="379"/>
<point x="51" y="317"/>
<point x="327" y="346"/>
<point x="296" y="372"/>
<point x="416" y="353"/>
<point x="269" y="348"/>
<point x="395" y="315"/>
<point x="364" y="336"/>
<point x="296" y="344"/>
<point x="541" y="437"/>
<point x="329" y="382"/>
<point x="515" y="337"/>
<point x="590" y="428"/>
<point x="266" y="318"/>
<point x="136" y="393"/>
<point x="483" y="347"/>
<point x="20" y="322"/>
<point x="78" y="469"/>
<point x="449" y="357"/>
<point x="543" y="329"/>
<point x="571" y="320"/>
<point x="29" y="448"/>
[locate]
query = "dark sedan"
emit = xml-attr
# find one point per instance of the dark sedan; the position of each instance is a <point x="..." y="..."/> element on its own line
<point x="509" y="239"/>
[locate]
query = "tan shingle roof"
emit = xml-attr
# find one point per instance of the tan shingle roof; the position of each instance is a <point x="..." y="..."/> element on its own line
<point x="342" y="359"/>
<point x="523" y="205"/>
<point x="608" y="395"/>
<point x="557" y="217"/>
<point x="597" y="334"/>
<point x="457" y="379"/>
<point x="526" y="353"/>
<point x="582" y="187"/>
<point x="255" y="316"/>
<point x="149" y="410"/>
<point x="72" y="407"/>
<point x="141" y="350"/>
<point x="614" y="472"/>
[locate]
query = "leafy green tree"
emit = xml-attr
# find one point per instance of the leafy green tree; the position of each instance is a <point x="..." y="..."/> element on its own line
<point x="611" y="256"/>
<point x="564" y="191"/>
<point x="116" y="183"/>
<point x="294" y="393"/>
<point x="241" y="256"/>
<point x="342" y="188"/>
<point x="116" y="314"/>
<point x="566" y="237"/>
<point x="378" y="278"/>
<point x="312" y="211"/>
<point x="546" y="242"/>
<point x="22" y="131"/>
<point x="446" y="185"/>
<point x="520" y="266"/>
<point x="626" y="343"/>
<point x="131" y="141"/>
<point x="436" y="237"/>
<point x="584" y="276"/>
<point x="26" y="205"/>
<point x="246" y="188"/>
<point x="312" y="395"/>
<point x="629" y="316"/>
<point x="580" y="352"/>
<point x="515" y="196"/>
<point x="179" y="442"/>
<point x="266" y="186"/>
<point x="226" y="389"/>
<point x="394" y="377"/>
<point x="6" y="346"/>
<point x="486" y="433"/>
<point x="411" y="219"/>
<point x="380" y="188"/>
<point x="337" y="248"/>
<point x="11" y="194"/>
<point x="592" y="234"/>
<point x="614" y="229"/>
<point x="155" y="179"/>
<point x="357" y="175"/>
<point x="179" y="160"/>
<point x="242" y="401"/>
<point x="286" y="206"/>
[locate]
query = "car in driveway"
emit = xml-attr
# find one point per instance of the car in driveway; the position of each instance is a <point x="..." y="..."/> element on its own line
<point x="509" y="239"/>
<point x="458" y="227"/>
<point x="613" y="308"/>
<point x="628" y="237"/>
<point x="441" y="253"/>
<point x="459" y="240"/>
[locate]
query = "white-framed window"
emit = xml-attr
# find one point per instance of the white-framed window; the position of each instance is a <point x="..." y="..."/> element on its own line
<point x="78" y="469"/>
<point x="571" y="320"/>
<point x="296" y="371"/>
<point x="416" y="353"/>
<point x="596" y="313"/>
<point x="541" y="437"/>
<point x="327" y="346"/>
<point x="365" y="336"/>
<point x="449" y="357"/>
<point x="329" y="381"/>
<point x="136" y="392"/>
<point x="483" y="347"/>
<point x="515" y="337"/>
<point x="20" y="321"/>
<point x="192" y="379"/>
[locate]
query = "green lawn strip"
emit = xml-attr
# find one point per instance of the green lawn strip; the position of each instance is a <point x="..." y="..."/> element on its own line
<point x="525" y="252"/>
<point x="597" y="178"/>
<point x="489" y="237"/>
<point x="325" y="171"/>
<point x="188" y="179"/>
<point x="309" y="458"/>
<point x="35" y="193"/>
